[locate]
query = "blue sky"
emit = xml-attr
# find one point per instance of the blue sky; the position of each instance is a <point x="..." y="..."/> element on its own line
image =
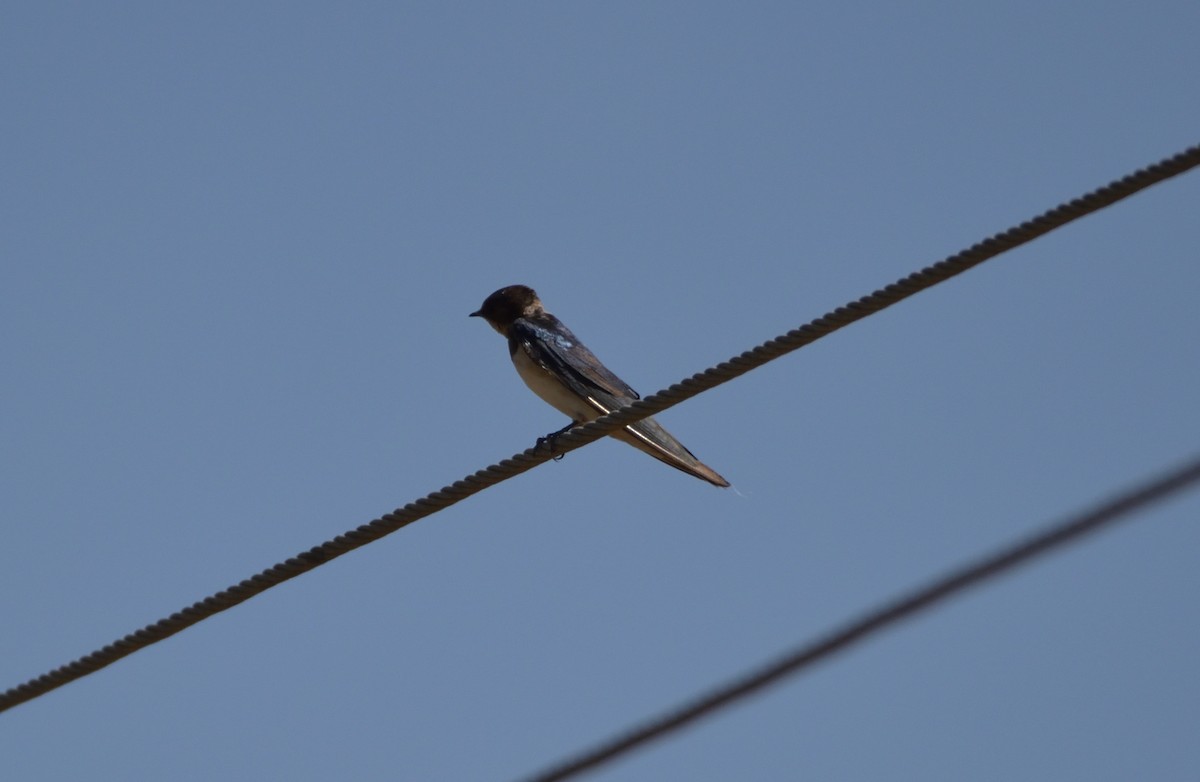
<point x="241" y="244"/>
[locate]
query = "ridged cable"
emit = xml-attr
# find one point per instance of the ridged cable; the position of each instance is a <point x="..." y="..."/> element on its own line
<point x="950" y="585"/>
<point x="581" y="436"/>
<point x="887" y="296"/>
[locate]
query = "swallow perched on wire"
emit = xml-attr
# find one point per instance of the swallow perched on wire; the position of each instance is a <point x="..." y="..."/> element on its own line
<point x="557" y="367"/>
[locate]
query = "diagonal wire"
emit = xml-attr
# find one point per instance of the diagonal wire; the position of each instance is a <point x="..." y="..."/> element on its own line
<point x="580" y="436"/>
<point x="1117" y="509"/>
<point x="885" y="297"/>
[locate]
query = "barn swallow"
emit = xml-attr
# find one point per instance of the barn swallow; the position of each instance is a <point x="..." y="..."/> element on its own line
<point x="557" y="367"/>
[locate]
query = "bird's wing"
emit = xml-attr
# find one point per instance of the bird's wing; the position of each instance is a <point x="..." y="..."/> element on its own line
<point x="555" y="349"/>
<point x="558" y="351"/>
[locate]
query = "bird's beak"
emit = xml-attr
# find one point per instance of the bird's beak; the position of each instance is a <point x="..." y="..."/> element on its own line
<point x="475" y="314"/>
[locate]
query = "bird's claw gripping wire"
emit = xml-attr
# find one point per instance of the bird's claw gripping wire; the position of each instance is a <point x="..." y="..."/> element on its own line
<point x="550" y="438"/>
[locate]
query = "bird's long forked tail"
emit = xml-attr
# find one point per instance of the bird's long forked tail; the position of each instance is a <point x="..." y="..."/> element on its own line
<point x="648" y="436"/>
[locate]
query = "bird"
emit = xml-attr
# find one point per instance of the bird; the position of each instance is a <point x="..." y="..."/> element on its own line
<point x="565" y="374"/>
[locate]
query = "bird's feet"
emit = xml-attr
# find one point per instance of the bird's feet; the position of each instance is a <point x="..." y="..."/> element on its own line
<point x="550" y="438"/>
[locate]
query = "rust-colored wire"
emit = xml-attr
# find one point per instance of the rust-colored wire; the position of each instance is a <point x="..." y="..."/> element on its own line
<point x="580" y="436"/>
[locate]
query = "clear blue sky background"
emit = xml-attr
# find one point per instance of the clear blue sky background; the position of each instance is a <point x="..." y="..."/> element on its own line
<point x="240" y="244"/>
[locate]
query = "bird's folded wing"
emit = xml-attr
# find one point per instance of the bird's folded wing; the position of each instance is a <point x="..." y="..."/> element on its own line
<point x="559" y="352"/>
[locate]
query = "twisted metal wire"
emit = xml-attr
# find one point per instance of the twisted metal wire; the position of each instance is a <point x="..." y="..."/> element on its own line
<point x="581" y="436"/>
<point x="950" y="585"/>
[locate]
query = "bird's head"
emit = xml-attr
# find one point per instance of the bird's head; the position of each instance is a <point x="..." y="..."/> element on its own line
<point x="507" y="304"/>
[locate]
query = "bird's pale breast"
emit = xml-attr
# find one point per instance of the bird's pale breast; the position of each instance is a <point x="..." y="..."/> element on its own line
<point x="551" y="389"/>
